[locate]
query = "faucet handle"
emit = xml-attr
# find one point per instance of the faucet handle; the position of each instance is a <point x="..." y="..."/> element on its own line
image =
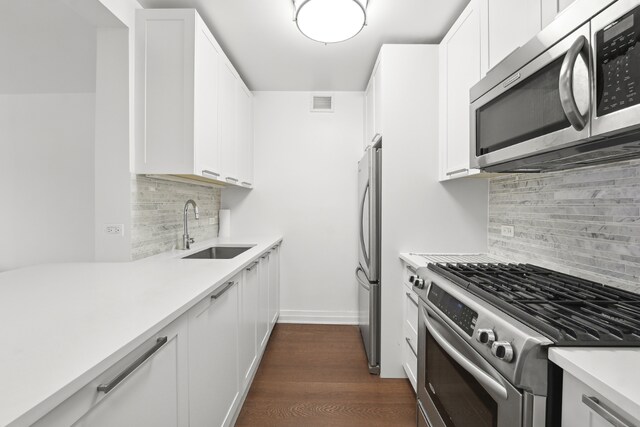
<point x="191" y="240"/>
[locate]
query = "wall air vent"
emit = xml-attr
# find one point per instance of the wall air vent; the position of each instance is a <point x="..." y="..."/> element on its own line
<point x="322" y="103"/>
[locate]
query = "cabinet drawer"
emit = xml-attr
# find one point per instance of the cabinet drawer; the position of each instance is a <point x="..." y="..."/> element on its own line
<point x="411" y="310"/>
<point x="407" y="272"/>
<point x="582" y="406"/>
<point x="410" y="360"/>
<point x="145" y="387"/>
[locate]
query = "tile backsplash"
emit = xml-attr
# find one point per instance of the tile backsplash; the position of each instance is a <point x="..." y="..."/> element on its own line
<point x="157" y="221"/>
<point x="584" y="222"/>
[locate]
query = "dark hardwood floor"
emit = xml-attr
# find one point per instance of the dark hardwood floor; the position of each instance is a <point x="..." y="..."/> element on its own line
<point x="316" y="375"/>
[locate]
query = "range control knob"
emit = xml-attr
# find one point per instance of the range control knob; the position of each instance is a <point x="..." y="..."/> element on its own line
<point x="485" y="336"/>
<point x="418" y="283"/>
<point x="502" y="350"/>
<point x="412" y="278"/>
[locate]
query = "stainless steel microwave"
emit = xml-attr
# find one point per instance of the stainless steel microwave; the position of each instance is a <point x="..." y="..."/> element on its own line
<point x="568" y="98"/>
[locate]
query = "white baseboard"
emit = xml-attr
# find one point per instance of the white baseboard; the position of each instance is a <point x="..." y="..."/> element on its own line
<point x="319" y="317"/>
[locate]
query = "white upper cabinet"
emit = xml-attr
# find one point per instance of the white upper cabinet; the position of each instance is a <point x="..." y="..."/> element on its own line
<point x="369" y="114"/>
<point x="373" y="109"/>
<point x="509" y="25"/>
<point x="245" y="135"/>
<point x="484" y="34"/>
<point x="459" y="70"/>
<point x="186" y="100"/>
<point x="551" y="9"/>
<point x="227" y="117"/>
<point x="205" y="110"/>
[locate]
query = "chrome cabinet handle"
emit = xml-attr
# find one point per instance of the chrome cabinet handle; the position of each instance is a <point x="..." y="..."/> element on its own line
<point x="413" y="350"/>
<point x="225" y="289"/>
<point x="106" y="388"/>
<point x="596" y="406"/>
<point x="411" y="269"/>
<point x="248" y="184"/>
<point x="252" y="265"/>
<point x="411" y="298"/>
<point x="265" y="256"/>
<point x="567" y="100"/>
<point x="483" y="378"/>
<point x="231" y="179"/>
<point x="207" y="172"/>
<point x="458" y="171"/>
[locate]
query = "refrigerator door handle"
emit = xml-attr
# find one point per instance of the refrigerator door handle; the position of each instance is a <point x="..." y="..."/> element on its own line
<point x="362" y="245"/>
<point x="364" y="284"/>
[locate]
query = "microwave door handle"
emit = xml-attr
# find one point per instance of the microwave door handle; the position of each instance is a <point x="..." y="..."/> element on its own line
<point x="565" y="82"/>
<point x="481" y="376"/>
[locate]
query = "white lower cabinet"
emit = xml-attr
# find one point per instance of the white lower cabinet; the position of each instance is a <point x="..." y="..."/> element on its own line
<point x="274" y="288"/>
<point x="263" y="302"/>
<point x="584" y="407"/>
<point x="148" y="387"/>
<point x="410" y="328"/>
<point x="248" y="349"/>
<point x="196" y="372"/>
<point x="213" y="357"/>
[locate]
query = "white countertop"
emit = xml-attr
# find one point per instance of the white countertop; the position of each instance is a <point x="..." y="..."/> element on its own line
<point x="612" y="372"/>
<point x="63" y="324"/>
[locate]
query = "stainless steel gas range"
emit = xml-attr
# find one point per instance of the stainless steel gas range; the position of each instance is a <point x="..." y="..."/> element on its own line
<point x="484" y="334"/>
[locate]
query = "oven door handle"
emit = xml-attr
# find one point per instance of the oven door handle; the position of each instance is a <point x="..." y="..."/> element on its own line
<point x="481" y="376"/>
<point x="567" y="99"/>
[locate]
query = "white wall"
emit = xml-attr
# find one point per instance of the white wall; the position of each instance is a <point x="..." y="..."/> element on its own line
<point x="419" y="214"/>
<point x="306" y="189"/>
<point x="45" y="48"/>
<point x="65" y="130"/>
<point x="46" y="178"/>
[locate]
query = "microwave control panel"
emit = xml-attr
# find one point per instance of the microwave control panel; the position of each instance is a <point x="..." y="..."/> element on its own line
<point x="455" y="310"/>
<point x="618" y="64"/>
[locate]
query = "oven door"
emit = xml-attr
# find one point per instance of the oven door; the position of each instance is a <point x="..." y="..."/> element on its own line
<point x="457" y="387"/>
<point x="542" y="107"/>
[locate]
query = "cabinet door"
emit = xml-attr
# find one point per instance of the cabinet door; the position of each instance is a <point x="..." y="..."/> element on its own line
<point x="263" y="302"/>
<point x="551" y="8"/>
<point x="274" y="286"/>
<point x="164" y="90"/>
<point x="227" y="113"/>
<point x="377" y="100"/>
<point x="205" y="108"/>
<point x="369" y="114"/>
<point x="213" y="358"/>
<point x="460" y="56"/>
<point x="510" y="24"/>
<point x="248" y="349"/>
<point x="245" y="136"/>
<point x="153" y="394"/>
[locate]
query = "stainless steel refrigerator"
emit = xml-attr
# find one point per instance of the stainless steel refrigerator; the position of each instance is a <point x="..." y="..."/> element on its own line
<point x="368" y="270"/>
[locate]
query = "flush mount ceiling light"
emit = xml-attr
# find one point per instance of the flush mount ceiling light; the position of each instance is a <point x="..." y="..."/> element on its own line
<point x="330" y="21"/>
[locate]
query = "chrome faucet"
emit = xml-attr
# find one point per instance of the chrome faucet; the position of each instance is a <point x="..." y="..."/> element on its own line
<point x="186" y="240"/>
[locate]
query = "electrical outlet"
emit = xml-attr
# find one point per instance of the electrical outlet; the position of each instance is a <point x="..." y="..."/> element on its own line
<point x="212" y="221"/>
<point x="114" y="229"/>
<point x="508" y="231"/>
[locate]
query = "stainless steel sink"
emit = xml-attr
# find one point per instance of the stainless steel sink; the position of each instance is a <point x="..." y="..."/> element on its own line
<point x="218" y="252"/>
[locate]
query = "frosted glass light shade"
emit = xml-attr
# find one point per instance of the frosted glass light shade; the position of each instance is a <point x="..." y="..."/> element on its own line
<point x="330" y="21"/>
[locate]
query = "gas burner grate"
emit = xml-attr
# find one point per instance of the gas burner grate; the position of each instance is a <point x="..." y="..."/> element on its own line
<point x="569" y="310"/>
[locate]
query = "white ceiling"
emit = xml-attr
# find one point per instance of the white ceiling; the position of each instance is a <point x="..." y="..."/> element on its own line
<point x="269" y="52"/>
